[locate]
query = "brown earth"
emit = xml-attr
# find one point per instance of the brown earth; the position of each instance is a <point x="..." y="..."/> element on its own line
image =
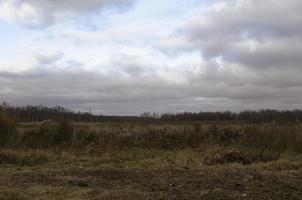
<point x="209" y="182"/>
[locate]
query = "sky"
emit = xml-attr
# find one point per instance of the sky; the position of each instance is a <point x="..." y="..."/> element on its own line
<point x="126" y="57"/>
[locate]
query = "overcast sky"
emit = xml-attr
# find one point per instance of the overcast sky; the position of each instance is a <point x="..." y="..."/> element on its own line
<point x="125" y="57"/>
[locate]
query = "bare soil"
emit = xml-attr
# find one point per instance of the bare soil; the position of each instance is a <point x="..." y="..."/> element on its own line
<point x="209" y="182"/>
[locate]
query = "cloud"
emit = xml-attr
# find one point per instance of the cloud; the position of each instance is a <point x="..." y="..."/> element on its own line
<point x="80" y="88"/>
<point x="210" y="87"/>
<point x="251" y="50"/>
<point x="43" y="13"/>
<point x="236" y="54"/>
<point x="50" y="57"/>
<point x="255" y="33"/>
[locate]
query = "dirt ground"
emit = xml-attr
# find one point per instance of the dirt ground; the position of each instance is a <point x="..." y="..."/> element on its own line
<point x="276" y="181"/>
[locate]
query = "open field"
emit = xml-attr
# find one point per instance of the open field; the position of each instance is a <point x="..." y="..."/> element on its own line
<point x="152" y="161"/>
<point x="151" y="100"/>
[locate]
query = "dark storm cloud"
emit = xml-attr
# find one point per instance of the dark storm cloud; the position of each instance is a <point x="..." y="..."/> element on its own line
<point x="84" y="88"/>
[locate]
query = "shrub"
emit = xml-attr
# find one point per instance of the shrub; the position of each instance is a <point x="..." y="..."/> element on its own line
<point x="49" y="134"/>
<point x="40" y="137"/>
<point x="246" y="156"/>
<point x="63" y="133"/>
<point x="8" y="130"/>
<point x="86" y="136"/>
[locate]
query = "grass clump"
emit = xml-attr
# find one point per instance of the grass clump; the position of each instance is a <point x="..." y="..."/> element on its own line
<point x="245" y="156"/>
<point x="21" y="158"/>
<point x="86" y="136"/>
<point x="11" y="194"/>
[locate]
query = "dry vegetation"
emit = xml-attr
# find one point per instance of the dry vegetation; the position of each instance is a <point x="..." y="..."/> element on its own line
<point x="150" y="160"/>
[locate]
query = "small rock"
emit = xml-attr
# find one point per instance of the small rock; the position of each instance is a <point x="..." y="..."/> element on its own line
<point x="172" y="185"/>
<point x="83" y="184"/>
<point x="79" y="183"/>
<point x="237" y="184"/>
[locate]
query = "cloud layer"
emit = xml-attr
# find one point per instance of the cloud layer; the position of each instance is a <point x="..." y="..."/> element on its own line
<point x="256" y="46"/>
<point x="238" y="54"/>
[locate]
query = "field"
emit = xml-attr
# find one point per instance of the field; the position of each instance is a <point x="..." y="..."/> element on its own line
<point x="151" y="160"/>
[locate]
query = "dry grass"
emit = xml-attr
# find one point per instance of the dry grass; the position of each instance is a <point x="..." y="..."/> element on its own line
<point x="152" y="161"/>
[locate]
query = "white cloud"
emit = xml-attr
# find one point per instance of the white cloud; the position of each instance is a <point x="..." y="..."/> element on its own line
<point x="17" y="66"/>
<point x="23" y="13"/>
<point x="44" y="13"/>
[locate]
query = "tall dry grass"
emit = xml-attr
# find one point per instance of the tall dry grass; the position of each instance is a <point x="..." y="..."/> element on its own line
<point x="8" y="130"/>
<point x="220" y="143"/>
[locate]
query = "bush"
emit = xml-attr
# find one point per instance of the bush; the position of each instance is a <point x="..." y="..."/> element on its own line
<point x="223" y="136"/>
<point x="40" y="137"/>
<point x="49" y="134"/>
<point x="246" y="156"/>
<point x="8" y="130"/>
<point x="85" y="136"/>
<point x="63" y="133"/>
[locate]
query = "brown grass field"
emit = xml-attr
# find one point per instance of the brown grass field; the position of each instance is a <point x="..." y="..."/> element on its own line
<point x="150" y="161"/>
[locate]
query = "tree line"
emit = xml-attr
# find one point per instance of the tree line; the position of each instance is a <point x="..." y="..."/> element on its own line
<point x="31" y="113"/>
<point x="260" y="116"/>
